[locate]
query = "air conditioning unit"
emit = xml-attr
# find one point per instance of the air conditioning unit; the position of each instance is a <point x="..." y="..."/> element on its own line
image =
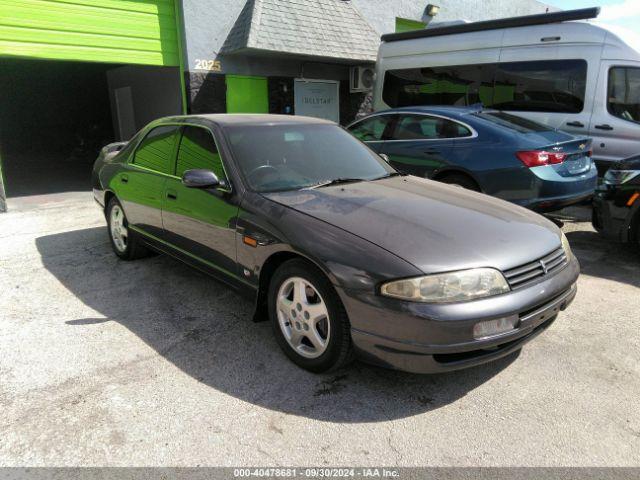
<point x="361" y="79"/>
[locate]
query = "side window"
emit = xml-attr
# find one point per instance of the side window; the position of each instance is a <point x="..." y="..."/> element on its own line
<point x="542" y="86"/>
<point x="424" y="127"/>
<point x="623" y="97"/>
<point x="371" y="129"/>
<point x="155" y="151"/>
<point x="198" y="150"/>
<point x="538" y="86"/>
<point x="455" y="85"/>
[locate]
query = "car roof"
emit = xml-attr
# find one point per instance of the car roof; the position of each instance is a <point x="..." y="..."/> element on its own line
<point x="249" y="119"/>
<point x="437" y="109"/>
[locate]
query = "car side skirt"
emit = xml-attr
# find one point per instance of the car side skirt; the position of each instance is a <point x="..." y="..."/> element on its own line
<point x="240" y="285"/>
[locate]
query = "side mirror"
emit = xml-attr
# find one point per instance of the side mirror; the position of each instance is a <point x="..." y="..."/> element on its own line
<point x="200" y="178"/>
<point x="385" y="157"/>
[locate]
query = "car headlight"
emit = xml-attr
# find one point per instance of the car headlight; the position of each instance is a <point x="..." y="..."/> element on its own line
<point x="565" y="245"/>
<point x="448" y="287"/>
<point x="618" y="177"/>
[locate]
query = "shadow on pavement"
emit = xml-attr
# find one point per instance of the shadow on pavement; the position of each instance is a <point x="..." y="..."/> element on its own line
<point x="605" y="258"/>
<point x="205" y="329"/>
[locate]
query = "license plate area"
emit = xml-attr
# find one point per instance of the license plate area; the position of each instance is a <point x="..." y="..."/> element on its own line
<point x="577" y="164"/>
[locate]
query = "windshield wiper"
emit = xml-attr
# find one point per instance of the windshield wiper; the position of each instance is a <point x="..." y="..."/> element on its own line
<point x="335" y="181"/>
<point x="391" y="174"/>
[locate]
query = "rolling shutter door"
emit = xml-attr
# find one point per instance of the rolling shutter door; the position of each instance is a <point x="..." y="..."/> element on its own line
<point x="110" y="31"/>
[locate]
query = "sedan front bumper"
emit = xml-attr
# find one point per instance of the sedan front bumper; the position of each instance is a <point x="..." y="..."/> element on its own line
<point x="431" y="338"/>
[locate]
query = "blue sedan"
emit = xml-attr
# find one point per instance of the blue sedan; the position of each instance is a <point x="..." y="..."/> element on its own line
<point x="489" y="151"/>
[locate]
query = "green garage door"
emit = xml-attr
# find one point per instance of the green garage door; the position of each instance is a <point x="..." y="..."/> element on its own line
<point x="247" y="94"/>
<point x="111" y="31"/>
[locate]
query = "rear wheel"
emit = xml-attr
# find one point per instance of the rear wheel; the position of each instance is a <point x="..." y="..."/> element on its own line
<point x="460" y="180"/>
<point x="124" y="242"/>
<point x="308" y="318"/>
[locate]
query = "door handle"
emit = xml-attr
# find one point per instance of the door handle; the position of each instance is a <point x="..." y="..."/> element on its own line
<point x="172" y="196"/>
<point x="124" y="179"/>
<point x="604" y="127"/>
<point x="576" y="124"/>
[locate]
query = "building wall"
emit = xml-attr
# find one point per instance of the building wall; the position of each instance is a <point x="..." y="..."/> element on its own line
<point x="207" y="28"/>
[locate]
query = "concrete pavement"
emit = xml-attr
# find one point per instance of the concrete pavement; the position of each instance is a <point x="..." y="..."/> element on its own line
<point x="150" y="363"/>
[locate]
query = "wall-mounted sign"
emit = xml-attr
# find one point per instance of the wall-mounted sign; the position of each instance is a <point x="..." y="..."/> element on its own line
<point x="317" y="98"/>
<point x="210" y="65"/>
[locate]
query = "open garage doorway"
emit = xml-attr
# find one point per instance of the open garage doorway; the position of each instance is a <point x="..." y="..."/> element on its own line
<point x="56" y="115"/>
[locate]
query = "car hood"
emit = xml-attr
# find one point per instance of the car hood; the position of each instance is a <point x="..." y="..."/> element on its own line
<point x="435" y="227"/>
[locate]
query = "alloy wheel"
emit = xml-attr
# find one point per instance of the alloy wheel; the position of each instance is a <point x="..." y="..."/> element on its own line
<point x="119" y="232"/>
<point x="303" y="317"/>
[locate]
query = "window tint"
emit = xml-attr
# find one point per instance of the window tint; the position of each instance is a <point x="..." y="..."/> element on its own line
<point x="545" y="86"/>
<point x="519" y="124"/>
<point x="424" y="127"/>
<point x="155" y="151"/>
<point x="624" y="93"/>
<point x="198" y="150"/>
<point x="371" y="129"/>
<point x="457" y="85"/>
<point x="540" y="86"/>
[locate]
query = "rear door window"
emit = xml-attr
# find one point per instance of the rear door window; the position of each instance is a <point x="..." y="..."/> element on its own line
<point x="155" y="152"/>
<point x="623" y="99"/>
<point x="198" y="150"/>
<point x="371" y="129"/>
<point x="425" y="127"/>
<point x="513" y="122"/>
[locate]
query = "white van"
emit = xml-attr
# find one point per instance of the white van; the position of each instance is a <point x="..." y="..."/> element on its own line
<point x="573" y="76"/>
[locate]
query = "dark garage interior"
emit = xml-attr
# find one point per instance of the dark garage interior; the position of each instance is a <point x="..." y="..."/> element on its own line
<point x="54" y="117"/>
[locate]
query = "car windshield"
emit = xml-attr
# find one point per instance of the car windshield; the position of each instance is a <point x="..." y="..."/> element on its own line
<point x="519" y="124"/>
<point x="290" y="157"/>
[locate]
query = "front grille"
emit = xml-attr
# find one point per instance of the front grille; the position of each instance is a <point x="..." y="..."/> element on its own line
<point x="525" y="274"/>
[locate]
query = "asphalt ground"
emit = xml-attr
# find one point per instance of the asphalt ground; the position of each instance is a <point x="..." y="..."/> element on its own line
<point x="150" y="363"/>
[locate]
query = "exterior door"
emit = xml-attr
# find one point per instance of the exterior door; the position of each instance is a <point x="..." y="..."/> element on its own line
<point x="140" y="186"/>
<point x="615" y="123"/>
<point x="247" y="94"/>
<point x="419" y="144"/>
<point x="198" y="221"/>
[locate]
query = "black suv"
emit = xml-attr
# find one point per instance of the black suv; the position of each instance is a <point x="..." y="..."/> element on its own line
<point x="616" y="204"/>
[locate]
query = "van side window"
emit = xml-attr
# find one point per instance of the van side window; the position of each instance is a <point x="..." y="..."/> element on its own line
<point x="543" y="86"/>
<point x="458" y="85"/>
<point x="539" y="86"/>
<point x="156" y="150"/>
<point x="623" y="97"/>
<point x="198" y="150"/>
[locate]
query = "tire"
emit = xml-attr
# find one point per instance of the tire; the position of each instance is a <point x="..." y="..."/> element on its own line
<point x="126" y="243"/>
<point x="461" y="180"/>
<point x="292" y="318"/>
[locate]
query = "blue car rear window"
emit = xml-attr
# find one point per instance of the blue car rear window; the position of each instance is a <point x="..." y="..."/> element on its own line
<point x="519" y="124"/>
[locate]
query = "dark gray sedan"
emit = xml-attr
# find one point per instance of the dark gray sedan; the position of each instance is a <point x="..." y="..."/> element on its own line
<point x="345" y="256"/>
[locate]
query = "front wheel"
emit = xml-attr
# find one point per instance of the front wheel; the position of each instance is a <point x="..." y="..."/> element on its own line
<point x="124" y="242"/>
<point x="308" y="318"/>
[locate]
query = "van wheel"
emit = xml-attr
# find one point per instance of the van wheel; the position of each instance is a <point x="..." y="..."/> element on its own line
<point x="460" y="180"/>
<point x="308" y="319"/>
<point x="125" y="243"/>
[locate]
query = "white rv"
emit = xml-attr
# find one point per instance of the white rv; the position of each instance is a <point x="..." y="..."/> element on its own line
<point x="571" y="75"/>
